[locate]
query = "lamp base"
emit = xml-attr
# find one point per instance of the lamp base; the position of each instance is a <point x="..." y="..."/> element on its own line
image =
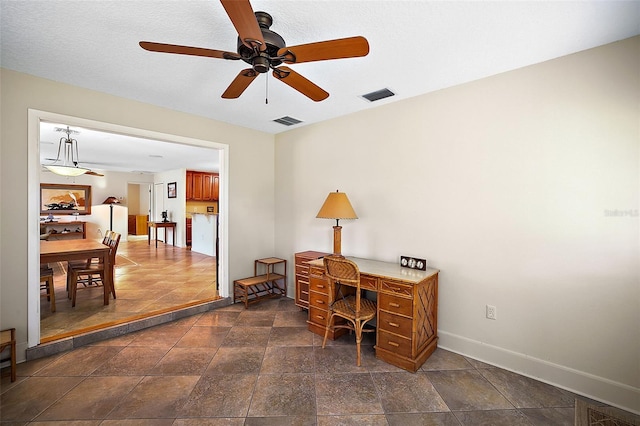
<point x="337" y="240"/>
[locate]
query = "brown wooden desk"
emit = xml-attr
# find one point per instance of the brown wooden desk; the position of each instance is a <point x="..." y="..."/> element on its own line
<point x="407" y="316"/>
<point x="66" y="250"/>
<point x="165" y="225"/>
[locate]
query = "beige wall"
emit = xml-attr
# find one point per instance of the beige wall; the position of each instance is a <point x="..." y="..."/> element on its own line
<point x="506" y="185"/>
<point x="250" y="166"/>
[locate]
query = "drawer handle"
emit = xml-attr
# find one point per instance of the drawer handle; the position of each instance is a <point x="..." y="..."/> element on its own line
<point x="320" y="286"/>
<point x="393" y="344"/>
<point x="394" y="305"/>
<point x="320" y="316"/>
<point x="393" y="324"/>
<point x="320" y="302"/>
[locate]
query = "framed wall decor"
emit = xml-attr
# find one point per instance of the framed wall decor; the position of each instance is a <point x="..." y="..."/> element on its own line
<point x="172" y="191"/>
<point x="64" y="199"/>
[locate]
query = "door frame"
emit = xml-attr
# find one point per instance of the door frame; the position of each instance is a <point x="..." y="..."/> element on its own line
<point x="33" y="176"/>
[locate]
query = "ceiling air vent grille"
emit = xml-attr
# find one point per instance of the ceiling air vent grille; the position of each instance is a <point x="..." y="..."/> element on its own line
<point x="378" y="94"/>
<point x="287" y="121"/>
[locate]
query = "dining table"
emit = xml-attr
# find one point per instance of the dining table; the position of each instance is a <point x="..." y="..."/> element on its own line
<point x="79" y="249"/>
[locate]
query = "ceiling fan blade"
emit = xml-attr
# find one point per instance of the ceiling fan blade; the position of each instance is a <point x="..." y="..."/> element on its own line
<point x="92" y="173"/>
<point x="240" y="83"/>
<point x="300" y="83"/>
<point x="351" y="47"/>
<point x="243" y="18"/>
<point x="187" y="50"/>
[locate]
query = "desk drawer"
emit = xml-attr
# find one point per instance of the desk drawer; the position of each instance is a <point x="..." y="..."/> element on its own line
<point x="319" y="300"/>
<point x="396" y="288"/>
<point x="395" y="304"/>
<point x="395" y="324"/>
<point x="302" y="269"/>
<point x="368" y="283"/>
<point x="319" y="285"/>
<point x="395" y="344"/>
<point x="318" y="316"/>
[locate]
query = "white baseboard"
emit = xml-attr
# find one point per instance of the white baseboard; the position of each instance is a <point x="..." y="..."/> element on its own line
<point x="599" y="388"/>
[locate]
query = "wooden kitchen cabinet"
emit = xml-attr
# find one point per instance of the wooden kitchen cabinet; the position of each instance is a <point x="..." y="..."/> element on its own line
<point x="202" y="186"/>
<point x="302" y="275"/>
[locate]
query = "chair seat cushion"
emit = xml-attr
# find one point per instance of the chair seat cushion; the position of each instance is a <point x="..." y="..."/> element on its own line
<point x="346" y="308"/>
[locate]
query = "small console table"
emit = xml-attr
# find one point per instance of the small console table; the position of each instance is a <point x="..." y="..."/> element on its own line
<point x="252" y="289"/>
<point x="165" y="225"/>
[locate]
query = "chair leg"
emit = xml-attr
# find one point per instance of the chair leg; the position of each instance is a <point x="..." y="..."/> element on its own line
<point x="73" y="288"/>
<point x="358" y="328"/>
<point x="326" y="330"/>
<point x="51" y="294"/>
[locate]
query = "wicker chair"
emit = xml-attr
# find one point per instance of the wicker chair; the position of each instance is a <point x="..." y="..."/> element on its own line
<point x="353" y="308"/>
<point x="91" y="274"/>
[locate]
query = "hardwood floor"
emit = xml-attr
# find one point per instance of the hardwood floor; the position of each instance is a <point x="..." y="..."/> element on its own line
<point x="148" y="281"/>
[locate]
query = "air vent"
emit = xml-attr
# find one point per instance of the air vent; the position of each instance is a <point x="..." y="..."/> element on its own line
<point x="378" y="94"/>
<point x="287" y="121"/>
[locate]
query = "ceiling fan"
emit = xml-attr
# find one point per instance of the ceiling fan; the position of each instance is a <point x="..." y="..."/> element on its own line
<point x="264" y="49"/>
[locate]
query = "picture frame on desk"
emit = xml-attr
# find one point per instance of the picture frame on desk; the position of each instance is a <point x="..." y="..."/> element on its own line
<point x="56" y="199"/>
<point x="172" y="190"/>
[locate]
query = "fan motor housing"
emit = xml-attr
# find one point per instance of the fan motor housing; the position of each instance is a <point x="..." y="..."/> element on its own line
<point x="262" y="61"/>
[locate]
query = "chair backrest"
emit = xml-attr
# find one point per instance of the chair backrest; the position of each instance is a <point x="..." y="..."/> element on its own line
<point x="113" y="245"/>
<point x="107" y="237"/>
<point x="340" y="270"/>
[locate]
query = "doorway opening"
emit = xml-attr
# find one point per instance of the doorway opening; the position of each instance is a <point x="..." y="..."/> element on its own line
<point x="35" y="118"/>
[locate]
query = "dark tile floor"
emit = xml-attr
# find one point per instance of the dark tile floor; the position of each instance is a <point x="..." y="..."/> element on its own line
<point x="262" y="366"/>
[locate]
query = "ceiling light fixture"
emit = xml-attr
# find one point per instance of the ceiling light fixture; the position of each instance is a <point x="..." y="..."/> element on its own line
<point x="69" y="166"/>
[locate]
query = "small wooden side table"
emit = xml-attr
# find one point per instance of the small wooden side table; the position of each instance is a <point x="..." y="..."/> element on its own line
<point x="253" y="289"/>
<point x="165" y="225"/>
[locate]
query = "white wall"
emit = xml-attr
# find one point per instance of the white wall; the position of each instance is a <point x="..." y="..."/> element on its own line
<point x="250" y="168"/>
<point x="505" y="185"/>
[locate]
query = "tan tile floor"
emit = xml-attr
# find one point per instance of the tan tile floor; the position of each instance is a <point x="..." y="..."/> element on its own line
<point x="148" y="280"/>
<point x="261" y="366"/>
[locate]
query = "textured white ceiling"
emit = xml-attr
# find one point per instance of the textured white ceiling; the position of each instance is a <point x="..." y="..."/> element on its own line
<point x="415" y="47"/>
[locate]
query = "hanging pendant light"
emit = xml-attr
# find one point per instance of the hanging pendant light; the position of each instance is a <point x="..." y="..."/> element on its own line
<point x="69" y="148"/>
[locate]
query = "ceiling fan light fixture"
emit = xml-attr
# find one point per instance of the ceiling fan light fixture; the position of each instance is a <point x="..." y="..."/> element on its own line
<point x="67" y="170"/>
<point x="69" y="147"/>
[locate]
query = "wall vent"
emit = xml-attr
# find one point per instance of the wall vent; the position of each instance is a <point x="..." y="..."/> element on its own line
<point x="287" y="121"/>
<point x="378" y="94"/>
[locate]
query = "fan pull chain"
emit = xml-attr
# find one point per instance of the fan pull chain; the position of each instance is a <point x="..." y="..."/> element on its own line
<point x="266" y="94"/>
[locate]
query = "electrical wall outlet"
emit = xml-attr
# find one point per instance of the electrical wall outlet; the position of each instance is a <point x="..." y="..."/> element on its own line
<point x="100" y="232"/>
<point x="492" y="312"/>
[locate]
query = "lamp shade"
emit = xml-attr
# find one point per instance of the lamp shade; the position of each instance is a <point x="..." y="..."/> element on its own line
<point x="111" y="200"/>
<point x="337" y="206"/>
<point x="67" y="170"/>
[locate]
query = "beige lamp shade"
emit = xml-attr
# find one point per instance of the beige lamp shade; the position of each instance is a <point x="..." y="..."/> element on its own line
<point x="337" y="206"/>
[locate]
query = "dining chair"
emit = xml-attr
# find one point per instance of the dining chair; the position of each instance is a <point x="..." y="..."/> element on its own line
<point x="8" y="340"/>
<point x="92" y="274"/>
<point x="79" y="263"/>
<point x="46" y="283"/>
<point x="354" y="308"/>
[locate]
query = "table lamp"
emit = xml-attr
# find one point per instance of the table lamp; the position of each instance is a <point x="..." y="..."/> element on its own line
<point x="337" y="206"/>
<point x="111" y="201"/>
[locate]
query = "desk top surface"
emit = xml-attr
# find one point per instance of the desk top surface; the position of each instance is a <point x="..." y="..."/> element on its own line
<point x="386" y="270"/>
<point x="160" y="224"/>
